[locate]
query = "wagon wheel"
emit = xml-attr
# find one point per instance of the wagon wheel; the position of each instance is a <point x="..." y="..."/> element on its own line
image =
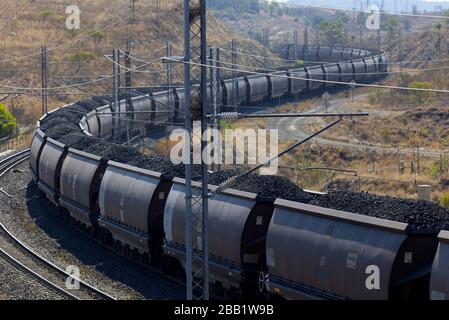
<point x="262" y="281"/>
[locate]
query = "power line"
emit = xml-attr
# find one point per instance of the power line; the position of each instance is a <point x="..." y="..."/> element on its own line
<point x="78" y="84"/>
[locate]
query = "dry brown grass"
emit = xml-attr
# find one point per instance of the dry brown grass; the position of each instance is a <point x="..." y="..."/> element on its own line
<point x="24" y="30"/>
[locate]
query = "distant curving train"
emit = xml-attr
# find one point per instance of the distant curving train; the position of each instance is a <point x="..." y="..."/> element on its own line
<point x="257" y="248"/>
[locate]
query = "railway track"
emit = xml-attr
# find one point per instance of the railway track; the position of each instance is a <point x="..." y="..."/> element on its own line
<point x="31" y="266"/>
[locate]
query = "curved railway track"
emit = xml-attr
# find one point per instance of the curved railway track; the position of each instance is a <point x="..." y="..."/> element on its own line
<point x="33" y="267"/>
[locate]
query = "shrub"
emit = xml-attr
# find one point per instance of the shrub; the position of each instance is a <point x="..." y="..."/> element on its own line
<point x="444" y="200"/>
<point x="7" y="122"/>
<point x="81" y="56"/>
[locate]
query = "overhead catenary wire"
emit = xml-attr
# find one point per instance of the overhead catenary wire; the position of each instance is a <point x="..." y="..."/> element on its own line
<point x="78" y="84"/>
<point x="108" y="57"/>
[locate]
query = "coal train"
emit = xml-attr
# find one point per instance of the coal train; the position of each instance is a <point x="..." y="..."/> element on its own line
<point x="166" y="107"/>
<point x="258" y="248"/>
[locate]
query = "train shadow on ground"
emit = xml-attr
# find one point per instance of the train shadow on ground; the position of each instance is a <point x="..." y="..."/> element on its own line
<point x="90" y="253"/>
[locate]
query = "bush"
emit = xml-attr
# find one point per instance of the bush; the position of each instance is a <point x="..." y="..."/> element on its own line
<point x="421" y="96"/>
<point x="97" y="35"/>
<point x="444" y="200"/>
<point x="7" y="122"/>
<point x="81" y="56"/>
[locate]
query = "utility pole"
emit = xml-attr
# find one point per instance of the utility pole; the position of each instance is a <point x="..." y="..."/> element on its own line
<point x="44" y="79"/>
<point x="133" y="9"/>
<point x="169" y="80"/>
<point x="235" y="87"/>
<point x="116" y="93"/>
<point x="361" y="26"/>
<point x="197" y="252"/>
<point x="379" y="43"/>
<point x="305" y="48"/>
<point x="295" y="44"/>
<point x="266" y="44"/>
<point x="128" y="85"/>
<point x="401" y="48"/>
<point x="158" y="7"/>
<point x="346" y="38"/>
<point x="215" y="89"/>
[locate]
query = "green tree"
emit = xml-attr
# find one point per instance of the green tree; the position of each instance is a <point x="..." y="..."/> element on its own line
<point x="7" y="122"/>
<point x="81" y="56"/>
<point x="331" y="31"/>
<point x="45" y="14"/>
<point x="392" y="28"/>
<point x="97" y="36"/>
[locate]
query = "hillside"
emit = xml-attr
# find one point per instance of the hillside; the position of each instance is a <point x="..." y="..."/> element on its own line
<point x="79" y="54"/>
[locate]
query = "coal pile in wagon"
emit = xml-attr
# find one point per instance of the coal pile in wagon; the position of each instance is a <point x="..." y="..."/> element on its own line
<point x="421" y="215"/>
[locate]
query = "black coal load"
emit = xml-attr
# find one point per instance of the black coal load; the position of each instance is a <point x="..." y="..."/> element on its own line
<point x="87" y="106"/>
<point x="58" y="118"/>
<point x="156" y="163"/>
<point x="78" y="141"/>
<point x="421" y="215"/>
<point x="268" y="188"/>
<point x="113" y="152"/>
<point x="59" y="131"/>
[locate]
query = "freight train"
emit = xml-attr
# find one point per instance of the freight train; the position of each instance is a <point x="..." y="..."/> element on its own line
<point x="166" y="107"/>
<point x="258" y="248"/>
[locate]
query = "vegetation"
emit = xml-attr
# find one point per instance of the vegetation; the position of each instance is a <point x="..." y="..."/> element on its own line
<point x="81" y="56"/>
<point x="332" y="32"/>
<point x="97" y="36"/>
<point x="422" y="96"/>
<point x="444" y="200"/>
<point x="7" y="122"/>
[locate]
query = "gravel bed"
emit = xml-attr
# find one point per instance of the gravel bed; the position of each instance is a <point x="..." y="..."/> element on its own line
<point x="17" y="285"/>
<point x="34" y="222"/>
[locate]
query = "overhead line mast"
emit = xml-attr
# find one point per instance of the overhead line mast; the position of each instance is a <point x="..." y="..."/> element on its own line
<point x="197" y="250"/>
